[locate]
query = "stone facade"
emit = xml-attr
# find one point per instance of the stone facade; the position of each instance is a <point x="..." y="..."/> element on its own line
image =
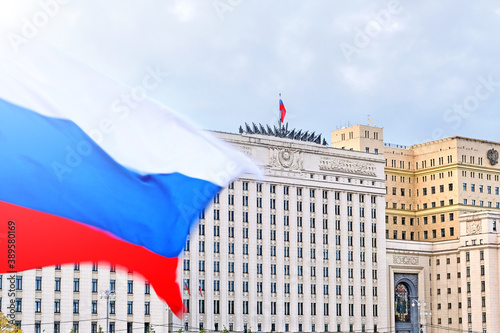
<point x="300" y="250"/>
<point x="457" y="279"/>
<point x="430" y="184"/>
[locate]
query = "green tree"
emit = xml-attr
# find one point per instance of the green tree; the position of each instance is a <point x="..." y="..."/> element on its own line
<point x="5" y="326"/>
<point x="100" y="329"/>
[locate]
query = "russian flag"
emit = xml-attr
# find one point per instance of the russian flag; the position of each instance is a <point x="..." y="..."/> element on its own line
<point x="282" y="110"/>
<point x="186" y="287"/>
<point x="91" y="170"/>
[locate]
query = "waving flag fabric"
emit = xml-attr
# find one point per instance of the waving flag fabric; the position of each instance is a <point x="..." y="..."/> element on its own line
<point x="94" y="171"/>
<point x="282" y="110"/>
<point x="186" y="287"/>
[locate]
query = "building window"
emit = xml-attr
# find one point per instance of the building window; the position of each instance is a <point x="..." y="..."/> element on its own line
<point x="38" y="283"/>
<point x="300" y="309"/>
<point x="130" y="307"/>
<point x="38" y="305"/>
<point x="19" y="283"/>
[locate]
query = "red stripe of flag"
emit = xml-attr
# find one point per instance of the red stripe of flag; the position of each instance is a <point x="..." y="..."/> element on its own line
<point x="283" y="111"/>
<point x="61" y="241"/>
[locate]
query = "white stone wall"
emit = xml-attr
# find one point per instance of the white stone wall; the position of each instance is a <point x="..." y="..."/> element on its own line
<point x="304" y="173"/>
<point x="46" y="317"/>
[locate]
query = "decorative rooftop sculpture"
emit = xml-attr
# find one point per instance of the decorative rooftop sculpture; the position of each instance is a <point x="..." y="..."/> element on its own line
<point x="283" y="132"/>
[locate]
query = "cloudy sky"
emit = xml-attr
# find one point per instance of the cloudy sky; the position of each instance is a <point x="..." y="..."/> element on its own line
<point x="421" y="71"/>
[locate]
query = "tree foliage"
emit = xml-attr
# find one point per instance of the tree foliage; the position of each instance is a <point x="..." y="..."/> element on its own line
<point x="5" y="326"/>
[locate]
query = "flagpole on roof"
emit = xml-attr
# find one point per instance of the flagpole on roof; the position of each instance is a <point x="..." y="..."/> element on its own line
<point x="279" y="115"/>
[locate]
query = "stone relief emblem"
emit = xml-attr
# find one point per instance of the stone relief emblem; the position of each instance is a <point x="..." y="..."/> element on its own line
<point x="473" y="227"/>
<point x="286" y="158"/>
<point x="331" y="164"/>
<point x="493" y="156"/>
<point x="405" y="260"/>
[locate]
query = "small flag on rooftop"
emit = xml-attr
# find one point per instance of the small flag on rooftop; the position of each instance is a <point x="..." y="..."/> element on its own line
<point x="282" y="111"/>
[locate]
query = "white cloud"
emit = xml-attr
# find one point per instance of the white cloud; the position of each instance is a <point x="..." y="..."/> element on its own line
<point x="185" y="11"/>
<point x="417" y="64"/>
<point x="359" y="79"/>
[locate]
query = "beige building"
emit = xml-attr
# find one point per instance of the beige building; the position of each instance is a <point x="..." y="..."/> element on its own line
<point x="430" y="184"/>
<point x="457" y="280"/>
<point x="442" y="211"/>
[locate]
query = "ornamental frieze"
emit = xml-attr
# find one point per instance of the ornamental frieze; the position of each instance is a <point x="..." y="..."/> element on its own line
<point x="405" y="260"/>
<point x="245" y="150"/>
<point x="331" y="164"/>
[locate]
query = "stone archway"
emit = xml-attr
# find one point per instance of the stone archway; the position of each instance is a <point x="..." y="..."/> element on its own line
<point x="405" y="291"/>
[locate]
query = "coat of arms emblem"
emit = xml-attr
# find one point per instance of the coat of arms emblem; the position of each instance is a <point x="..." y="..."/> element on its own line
<point x="493" y="156"/>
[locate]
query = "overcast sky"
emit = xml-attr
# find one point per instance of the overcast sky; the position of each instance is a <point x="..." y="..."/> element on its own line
<point x="421" y="71"/>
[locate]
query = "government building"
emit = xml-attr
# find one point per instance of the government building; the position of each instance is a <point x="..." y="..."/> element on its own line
<point x="430" y="184"/>
<point x="361" y="236"/>
<point x="442" y="211"/>
<point x="301" y="250"/>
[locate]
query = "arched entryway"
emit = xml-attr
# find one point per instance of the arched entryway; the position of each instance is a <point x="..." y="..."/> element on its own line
<point x="406" y="316"/>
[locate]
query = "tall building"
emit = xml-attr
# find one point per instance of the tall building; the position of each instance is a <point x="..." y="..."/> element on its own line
<point x="430" y="184"/>
<point x="302" y="249"/>
<point x="442" y="211"/>
<point x="455" y="281"/>
<point x="313" y="245"/>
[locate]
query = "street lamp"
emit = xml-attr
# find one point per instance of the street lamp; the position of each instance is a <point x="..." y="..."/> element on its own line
<point x="421" y="309"/>
<point x="107" y="294"/>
